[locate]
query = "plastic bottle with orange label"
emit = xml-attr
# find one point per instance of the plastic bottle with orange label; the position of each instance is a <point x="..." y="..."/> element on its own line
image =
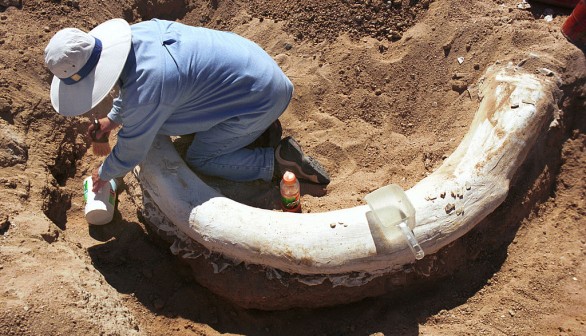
<point x="290" y="193"/>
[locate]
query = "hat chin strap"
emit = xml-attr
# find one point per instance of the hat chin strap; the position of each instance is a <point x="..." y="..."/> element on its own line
<point x="89" y="65"/>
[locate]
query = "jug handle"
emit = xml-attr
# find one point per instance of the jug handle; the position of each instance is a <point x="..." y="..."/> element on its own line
<point x="412" y="241"/>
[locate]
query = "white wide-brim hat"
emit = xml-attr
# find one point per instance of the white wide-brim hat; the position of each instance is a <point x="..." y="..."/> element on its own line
<point x="79" y="83"/>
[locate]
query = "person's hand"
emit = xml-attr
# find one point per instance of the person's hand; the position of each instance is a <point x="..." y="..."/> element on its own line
<point x="97" y="182"/>
<point x="106" y="125"/>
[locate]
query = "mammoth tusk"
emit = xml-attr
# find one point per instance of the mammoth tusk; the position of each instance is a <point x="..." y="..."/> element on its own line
<point x="471" y="183"/>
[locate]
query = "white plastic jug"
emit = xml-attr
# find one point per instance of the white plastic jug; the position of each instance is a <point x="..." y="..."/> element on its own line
<point x="99" y="207"/>
<point x="395" y="214"/>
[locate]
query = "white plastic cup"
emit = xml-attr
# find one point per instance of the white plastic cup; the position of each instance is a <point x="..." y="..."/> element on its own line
<point x="99" y="207"/>
<point x="395" y="214"/>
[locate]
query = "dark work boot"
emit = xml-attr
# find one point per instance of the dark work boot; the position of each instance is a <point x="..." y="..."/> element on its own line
<point x="289" y="156"/>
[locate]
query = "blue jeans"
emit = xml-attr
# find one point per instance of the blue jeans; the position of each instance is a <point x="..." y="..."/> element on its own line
<point x="220" y="151"/>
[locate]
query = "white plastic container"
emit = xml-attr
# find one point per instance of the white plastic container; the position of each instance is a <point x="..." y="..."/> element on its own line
<point x="99" y="207"/>
<point x="395" y="214"/>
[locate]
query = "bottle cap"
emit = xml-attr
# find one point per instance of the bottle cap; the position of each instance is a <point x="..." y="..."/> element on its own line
<point x="289" y="177"/>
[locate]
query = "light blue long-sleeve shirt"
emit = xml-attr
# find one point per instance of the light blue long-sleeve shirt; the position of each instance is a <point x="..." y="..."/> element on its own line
<point x="180" y="79"/>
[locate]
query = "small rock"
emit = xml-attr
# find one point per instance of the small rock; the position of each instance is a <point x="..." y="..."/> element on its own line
<point x="524" y="5"/>
<point x="450" y="207"/>
<point x="288" y="46"/>
<point x="459" y="75"/>
<point x="395" y="36"/>
<point x="545" y="71"/>
<point x="459" y="85"/>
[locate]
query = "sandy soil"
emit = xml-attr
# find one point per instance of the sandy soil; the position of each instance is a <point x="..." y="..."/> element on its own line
<point x="380" y="98"/>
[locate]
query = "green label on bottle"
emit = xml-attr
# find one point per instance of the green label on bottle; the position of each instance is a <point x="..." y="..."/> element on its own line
<point x="290" y="203"/>
<point x="112" y="198"/>
<point x="85" y="190"/>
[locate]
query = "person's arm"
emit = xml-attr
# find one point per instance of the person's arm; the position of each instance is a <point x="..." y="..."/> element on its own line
<point x="97" y="183"/>
<point x="106" y="126"/>
<point x="141" y="125"/>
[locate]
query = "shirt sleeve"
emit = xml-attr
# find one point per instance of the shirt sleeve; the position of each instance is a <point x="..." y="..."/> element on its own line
<point x="140" y="126"/>
<point x="114" y="113"/>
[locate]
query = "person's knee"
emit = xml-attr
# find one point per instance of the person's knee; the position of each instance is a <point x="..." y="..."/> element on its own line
<point x="196" y="161"/>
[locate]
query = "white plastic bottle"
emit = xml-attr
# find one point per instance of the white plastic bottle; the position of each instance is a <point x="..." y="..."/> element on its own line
<point x="290" y="193"/>
<point x="99" y="207"/>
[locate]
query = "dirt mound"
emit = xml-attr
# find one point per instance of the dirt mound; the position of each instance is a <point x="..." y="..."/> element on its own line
<point x="384" y="92"/>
